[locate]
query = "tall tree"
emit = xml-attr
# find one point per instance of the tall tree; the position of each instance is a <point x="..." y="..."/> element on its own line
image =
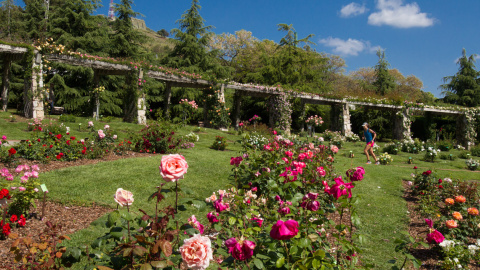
<point x="191" y="49"/>
<point x="9" y="12"/>
<point x="463" y="88"/>
<point x="34" y="19"/>
<point x="384" y="81"/>
<point x="126" y="40"/>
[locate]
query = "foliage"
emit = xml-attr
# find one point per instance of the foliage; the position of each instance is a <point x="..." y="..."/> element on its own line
<point x="444" y="145"/>
<point x="472" y="164"/>
<point x="156" y="137"/>
<point x="430" y="154"/>
<point x="253" y="140"/>
<point x="334" y="137"/>
<point x="68" y="118"/>
<point x="463" y="87"/>
<point x="385" y="159"/>
<point x="125" y="39"/>
<point x="392" y="148"/>
<point x="220" y="143"/>
<point x="384" y="82"/>
<point x="219" y="114"/>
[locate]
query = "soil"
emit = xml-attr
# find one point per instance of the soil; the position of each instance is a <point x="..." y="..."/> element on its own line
<point x="71" y="218"/>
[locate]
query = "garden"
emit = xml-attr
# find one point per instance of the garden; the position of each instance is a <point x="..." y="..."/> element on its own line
<point x="86" y="194"/>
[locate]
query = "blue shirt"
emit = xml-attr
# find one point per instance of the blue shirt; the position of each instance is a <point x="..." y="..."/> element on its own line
<point x="368" y="135"/>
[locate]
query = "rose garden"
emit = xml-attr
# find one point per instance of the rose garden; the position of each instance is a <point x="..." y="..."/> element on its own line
<point x="224" y="151"/>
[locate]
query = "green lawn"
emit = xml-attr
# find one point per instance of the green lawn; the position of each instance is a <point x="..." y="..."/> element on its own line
<point x="382" y="210"/>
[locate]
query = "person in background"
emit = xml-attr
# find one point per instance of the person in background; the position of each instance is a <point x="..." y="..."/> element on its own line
<point x="369" y="137"/>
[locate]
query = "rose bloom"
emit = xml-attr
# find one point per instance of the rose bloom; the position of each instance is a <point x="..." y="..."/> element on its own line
<point x="451" y="224"/>
<point x="460" y="199"/>
<point x="457" y="216"/>
<point x="472" y="211"/>
<point x="334" y="149"/>
<point x="173" y="167"/>
<point x="197" y="252"/>
<point x="449" y="201"/>
<point x="284" y="230"/>
<point x="123" y="197"/>
<point x="240" y="250"/>
<point x="435" y="237"/>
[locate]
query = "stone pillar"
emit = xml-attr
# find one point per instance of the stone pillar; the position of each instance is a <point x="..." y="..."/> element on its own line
<point x="271" y="111"/>
<point x="238" y="104"/>
<point x="401" y="126"/>
<point x="5" y="82"/>
<point x="32" y="94"/>
<point x="336" y="117"/>
<point x="166" y="104"/>
<point x="462" y="131"/>
<point x="347" y="125"/>
<point x="221" y="94"/>
<point x="141" y="102"/>
<point x="96" y="107"/>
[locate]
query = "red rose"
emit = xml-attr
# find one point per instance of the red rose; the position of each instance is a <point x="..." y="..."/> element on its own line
<point x="59" y="157"/>
<point x="61" y="154"/>
<point x="12" y="151"/>
<point x="59" y="136"/>
<point x="22" y="221"/>
<point x="440" y="186"/>
<point x="13" y="218"/>
<point x="51" y="146"/>
<point x="38" y="140"/>
<point x="72" y="138"/>
<point x="68" y="142"/>
<point x="6" y="229"/>
<point x="440" y="181"/>
<point x="415" y="168"/>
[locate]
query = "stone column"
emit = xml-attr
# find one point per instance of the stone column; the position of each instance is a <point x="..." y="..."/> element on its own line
<point x="141" y="102"/>
<point x="221" y="94"/>
<point x="238" y="104"/>
<point x="32" y="94"/>
<point x="401" y="126"/>
<point x="347" y="125"/>
<point x="462" y="132"/>
<point x="166" y="104"/>
<point x="96" y="107"/>
<point x="5" y="82"/>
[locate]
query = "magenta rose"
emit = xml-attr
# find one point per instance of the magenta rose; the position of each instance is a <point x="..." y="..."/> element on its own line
<point x="219" y="205"/>
<point x="240" y="250"/>
<point x="284" y="230"/>
<point x="259" y="221"/>
<point x="195" y="224"/>
<point x="341" y="188"/>
<point x="123" y="197"/>
<point x="197" y="252"/>
<point x="212" y="217"/>
<point x="173" y="167"/>
<point x="435" y="237"/>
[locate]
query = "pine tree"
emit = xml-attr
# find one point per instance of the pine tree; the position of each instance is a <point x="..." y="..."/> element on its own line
<point x="384" y="82"/>
<point x="463" y="88"/>
<point x="34" y="20"/>
<point x="126" y="40"/>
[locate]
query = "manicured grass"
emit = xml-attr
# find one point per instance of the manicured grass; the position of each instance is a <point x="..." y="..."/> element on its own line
<point x="381" y="208"/>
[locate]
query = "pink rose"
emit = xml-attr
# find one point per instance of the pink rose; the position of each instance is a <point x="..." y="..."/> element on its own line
<point x="341" y="188"/>
<point x="22" y="189"/>
<point x="435" y="237"/>
<point x="220" y="206"/>
<point x="334" y="149"/>
<point x="197" y="252"/>
<point x="123" y="197"/>
<point x="321" y="171"/>
<point x="212" y="217"/>
<point x="173" y="167"/>
<point x="259" y="221"/>
<point x="284" y="230"/>
<point x="284" y="210"/>
<point x="195" y="224"/>
<point x="236" y="161"/>
<point x="240" y="250"/>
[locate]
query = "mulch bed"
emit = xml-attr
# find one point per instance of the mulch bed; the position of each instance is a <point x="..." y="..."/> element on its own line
<point x="72" y="218"/>
<point x="419" y="229"/>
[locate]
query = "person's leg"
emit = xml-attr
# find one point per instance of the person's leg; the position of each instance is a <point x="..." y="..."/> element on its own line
<point x="373" y="154"/>
<point x="367" y="148"/>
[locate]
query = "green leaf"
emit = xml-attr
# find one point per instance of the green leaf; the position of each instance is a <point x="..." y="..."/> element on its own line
<point x="320" y="253"/>
<point x="146" y="266"/>
<point x="261" y="256"/>
<point x="74" y="252"/>
<point x="126" y="215"/>
<point x="217" y="227"/>
<point x="280" y="262"/>
<point x="98" y="243"/>
<point x="199" y="205"/>
<point x="304" y="242"/>
<point x="185" y="200"/>
<point x="316" y="263"/>
<point x="232" y="220"/>
<point x="392" y="261"/>
<point x="187" y="191"/>
<point x="112" y="218"/>
<point x="258" y="263"/>
<point x="313" y="237"/>
<point x="416" y="263"/>
<point x="159" y="264"/>
<point x="117" y="235"/>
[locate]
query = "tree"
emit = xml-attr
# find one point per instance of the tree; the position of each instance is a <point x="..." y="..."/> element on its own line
<point x="9" y="12"/>
<point x="384" y="81"/>
<point x="463" y="88"/>
<point x="163" y="33"/>
<point x="34" y="19"/>
<point x="125" y="40"/>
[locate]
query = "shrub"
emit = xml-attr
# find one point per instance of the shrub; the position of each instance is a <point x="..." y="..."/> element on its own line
<point x="472" y="164"/>
<point x="475" y="151"/>
<point x="191" y="137"/>
<point x="464" y="155"/>
<point x="430" y="154"/>
<point x="220" y="143"/>
<point x="445" y="156"/>
<point x="158" y="137"/>
<point x="253" y="140"/>
<point x="445" y="145"/>
<point x="392" y="148"/>
<point x="67" y="118"/>
<point x="385" y="159"/>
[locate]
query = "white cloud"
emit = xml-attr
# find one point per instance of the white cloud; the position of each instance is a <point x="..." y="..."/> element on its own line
<point x="352" y="9"/>
<point x="349" y="46"/>
<point x="395" y="13"/>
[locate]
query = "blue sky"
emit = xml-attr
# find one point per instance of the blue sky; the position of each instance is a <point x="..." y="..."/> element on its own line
<point x="421" y="38"/>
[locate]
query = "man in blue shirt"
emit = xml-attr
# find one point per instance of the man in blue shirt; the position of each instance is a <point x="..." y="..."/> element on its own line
<point x="369" y="137"/>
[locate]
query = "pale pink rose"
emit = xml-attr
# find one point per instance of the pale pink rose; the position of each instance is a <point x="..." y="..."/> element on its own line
<point x="101" y="134"/>
<point x="34" y="174"/>
<point x="22" y="188"/>
<point x="19" y="168"/>
<point x="106" y="127"/>
<point x="90" y="123"/>
<point x="35" y="168"/>
<point x="197" y="252"/>
<point x="115" y="137"/>
<point x="35" y="189"/>
<point x="13" y="188"/>
<point x="334" y="149"/>
<point x="211" y="198"/>
<point x="23" y="179"/>
<point x="123" y="197"/>
<point x="173" y="167"/>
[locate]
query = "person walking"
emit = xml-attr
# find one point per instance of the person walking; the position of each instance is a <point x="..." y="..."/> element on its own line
<point x="369" y="137"/>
